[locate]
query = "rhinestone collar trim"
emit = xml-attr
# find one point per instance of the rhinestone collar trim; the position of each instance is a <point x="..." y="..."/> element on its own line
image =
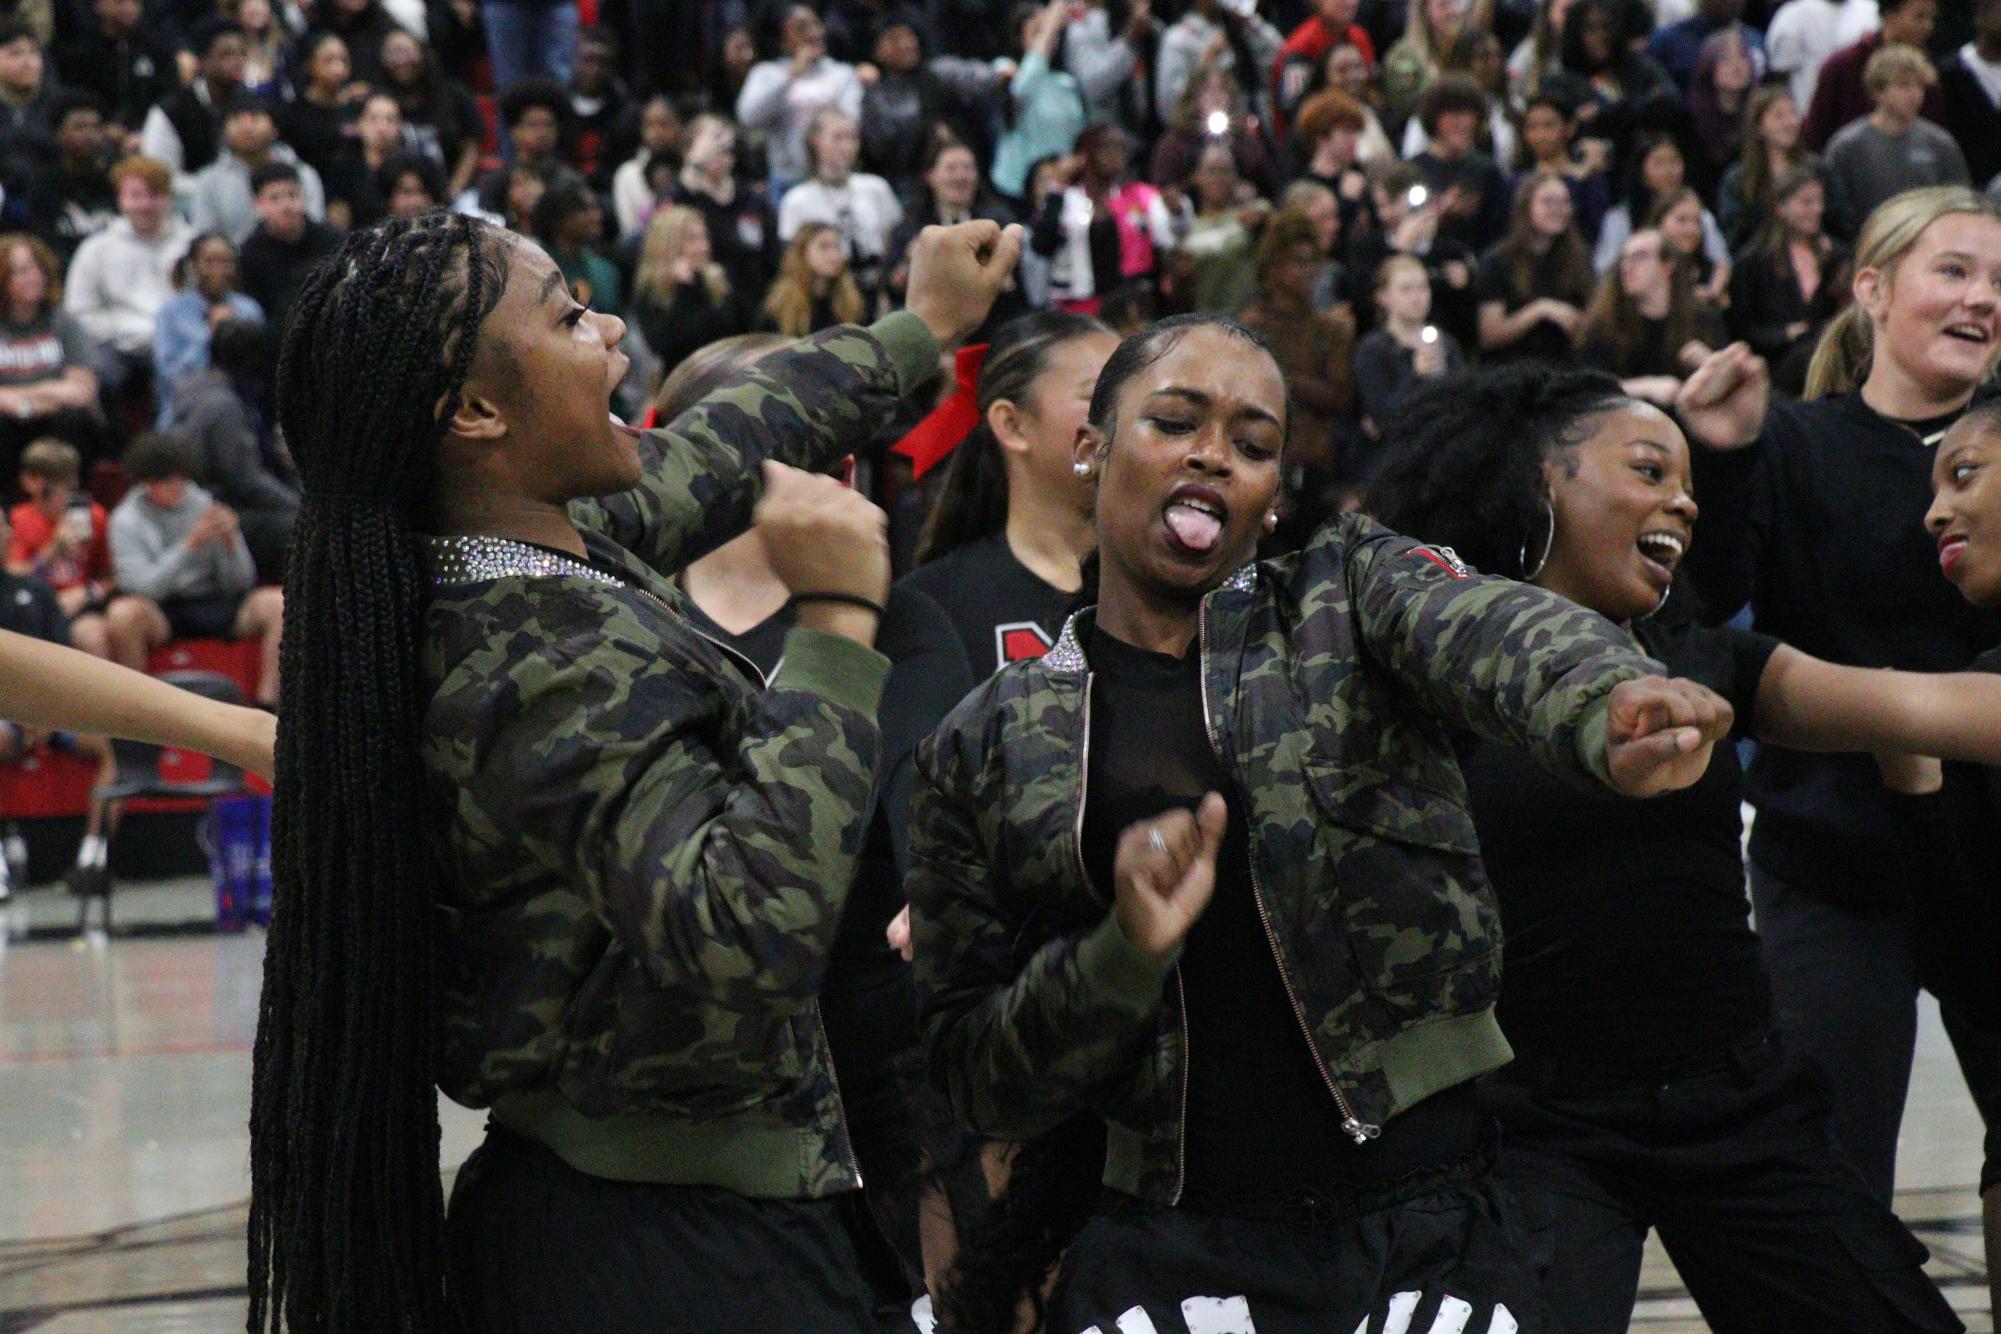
<point x="1068" y="654"/>
<point x="467" y="560"/>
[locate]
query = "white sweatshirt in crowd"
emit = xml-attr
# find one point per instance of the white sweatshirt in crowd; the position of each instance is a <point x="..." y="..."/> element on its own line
<point x="119" y="280"/>
<point x="151" y="556"/>
<point x="782" y="106"/>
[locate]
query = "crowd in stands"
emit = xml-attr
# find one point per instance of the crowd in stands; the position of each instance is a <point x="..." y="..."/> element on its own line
<point x="1389" y="190"/>
<point x="1386" y="191"/>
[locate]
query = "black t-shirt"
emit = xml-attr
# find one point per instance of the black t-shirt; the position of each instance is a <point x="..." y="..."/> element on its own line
<point x="1262" y="1125"/>
<point x="274" y="271"/>
<point x="1629" y="947"/>
<point x="1652" y="353"/>
<point x="1494" y="281"/>
<point x="1004" y="611"/>
<point x="1952" y="846"/>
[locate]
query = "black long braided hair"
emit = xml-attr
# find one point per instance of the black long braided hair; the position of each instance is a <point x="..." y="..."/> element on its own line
<point x="346" y="1212"/>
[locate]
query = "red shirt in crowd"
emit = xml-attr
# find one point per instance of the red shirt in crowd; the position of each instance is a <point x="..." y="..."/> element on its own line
<point x="1311" y="41"/>
<point x="36" y="550"/>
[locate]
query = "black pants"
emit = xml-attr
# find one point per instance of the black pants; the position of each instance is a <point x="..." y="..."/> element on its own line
<point x="1846" y="983"/>
<point x="537" y="1247"/>
<point x="1437" y="1249"/>
<point x="1770" y="1228"/>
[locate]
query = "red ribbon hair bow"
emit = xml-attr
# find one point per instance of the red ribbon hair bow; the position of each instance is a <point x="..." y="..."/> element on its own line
<point x="932" y="439"/>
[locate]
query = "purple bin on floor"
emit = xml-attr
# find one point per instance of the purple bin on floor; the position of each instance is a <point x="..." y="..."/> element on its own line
<point x="239" y="858"/>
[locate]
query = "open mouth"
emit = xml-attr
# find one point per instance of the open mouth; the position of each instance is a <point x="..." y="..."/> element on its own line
<point x="1194" y="516"/>
<point x="622" y="428"/>
<point x="1661" y="551"/>
<point x="1968" y="331"/>
<point x="1951" y="548"/>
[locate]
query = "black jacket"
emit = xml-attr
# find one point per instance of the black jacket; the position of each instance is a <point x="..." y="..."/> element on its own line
<point x="1971" y="117"/>
<point x="126" y="76"/>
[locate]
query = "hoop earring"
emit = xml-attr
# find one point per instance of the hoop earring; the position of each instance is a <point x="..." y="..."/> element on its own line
<point x="1548" y="542"/>
<point x="1666" y="593"/>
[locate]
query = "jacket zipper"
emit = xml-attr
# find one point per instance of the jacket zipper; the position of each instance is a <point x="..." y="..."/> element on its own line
<point x="1180" y="995"/>
<point x="819" y="1024"/>
<point x="1351" y="1125"/>
<point x="840" y="1104"/>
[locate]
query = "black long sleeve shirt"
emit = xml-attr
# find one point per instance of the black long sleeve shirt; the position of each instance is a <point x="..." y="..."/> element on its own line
<point x="1820" y="526"/>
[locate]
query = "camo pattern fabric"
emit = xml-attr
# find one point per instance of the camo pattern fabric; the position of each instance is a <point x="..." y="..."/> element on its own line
<point x="645" y="850"/>
<point x="1332" y="680"/>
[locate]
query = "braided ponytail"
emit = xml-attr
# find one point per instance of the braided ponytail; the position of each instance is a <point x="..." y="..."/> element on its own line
<point x="346" y="1212"/>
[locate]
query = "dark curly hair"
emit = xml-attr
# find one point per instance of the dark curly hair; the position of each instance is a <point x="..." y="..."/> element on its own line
<point x="1465" y="452"/>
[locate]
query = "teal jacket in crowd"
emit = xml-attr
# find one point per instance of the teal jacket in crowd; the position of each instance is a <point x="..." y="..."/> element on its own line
<point x="646" y="850"/>
<point x="1332" y="681"/>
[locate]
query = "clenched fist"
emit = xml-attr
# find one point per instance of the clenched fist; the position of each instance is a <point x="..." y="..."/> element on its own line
<point x="823" y="538"/>
<point x="1164" y="873"/>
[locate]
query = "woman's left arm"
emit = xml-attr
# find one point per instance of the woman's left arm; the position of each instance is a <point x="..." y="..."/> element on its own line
<point x="806" y="406"/>
<point x="1506" y="661"/>
<point x="1805" y="703"/>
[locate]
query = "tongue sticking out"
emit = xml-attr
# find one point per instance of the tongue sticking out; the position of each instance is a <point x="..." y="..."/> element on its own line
<point x="1195" y="529"/>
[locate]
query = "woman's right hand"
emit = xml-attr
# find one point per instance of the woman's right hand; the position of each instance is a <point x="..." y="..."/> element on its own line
<point x="820" y="537"/>
<point x="1722" y="405"/>
<point x="956" y="272"/>
<point x="1164" y="874"/>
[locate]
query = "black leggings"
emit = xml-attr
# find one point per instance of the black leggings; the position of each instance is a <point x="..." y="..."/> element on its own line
<point x="537" y="1247"/>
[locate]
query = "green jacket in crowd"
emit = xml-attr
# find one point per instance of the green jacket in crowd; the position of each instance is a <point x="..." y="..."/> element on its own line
<point x="1332" y="681"/>
<point x="646" y="850"/>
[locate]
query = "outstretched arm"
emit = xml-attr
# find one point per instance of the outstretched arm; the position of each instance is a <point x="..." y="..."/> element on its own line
<point x="50" y="686"/>
<point x="1807" y="704"/>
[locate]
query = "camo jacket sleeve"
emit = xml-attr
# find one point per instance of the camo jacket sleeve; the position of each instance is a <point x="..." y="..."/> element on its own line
<point x="1021" y="1032"/>
<point x="715" y="837"/>
<point x="807" y="406"/>
<point x="1507" y="661"/>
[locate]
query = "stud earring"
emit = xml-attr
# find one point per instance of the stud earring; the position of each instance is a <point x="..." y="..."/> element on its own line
<point x="1271" y="521"/>
<point x="1081" y="468"/>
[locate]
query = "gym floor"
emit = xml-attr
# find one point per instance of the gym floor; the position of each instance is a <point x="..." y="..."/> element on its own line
<point x="124" y="1095"/>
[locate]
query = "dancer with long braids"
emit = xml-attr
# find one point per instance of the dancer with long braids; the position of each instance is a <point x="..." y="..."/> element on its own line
<point x="540" y="844"/>
<point x="1205" y="868"/>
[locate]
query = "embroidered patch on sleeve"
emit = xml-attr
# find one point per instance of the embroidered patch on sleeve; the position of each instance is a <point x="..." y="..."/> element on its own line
<point x="1446" y="559"/>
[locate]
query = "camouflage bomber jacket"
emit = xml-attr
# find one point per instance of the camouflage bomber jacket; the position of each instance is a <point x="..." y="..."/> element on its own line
<point x="1332" y="679"/>
<point x="645" y="851"/>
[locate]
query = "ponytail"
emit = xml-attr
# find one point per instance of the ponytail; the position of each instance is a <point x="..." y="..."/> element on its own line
<point x="973" y="498"/>
<point x="1841" y="359"/>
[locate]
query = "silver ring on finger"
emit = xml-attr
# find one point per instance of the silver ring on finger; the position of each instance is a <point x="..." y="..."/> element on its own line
<point x="1155" y="841"/>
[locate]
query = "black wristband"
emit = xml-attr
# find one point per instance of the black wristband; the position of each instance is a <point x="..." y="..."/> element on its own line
<point x="846" y="599"/>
